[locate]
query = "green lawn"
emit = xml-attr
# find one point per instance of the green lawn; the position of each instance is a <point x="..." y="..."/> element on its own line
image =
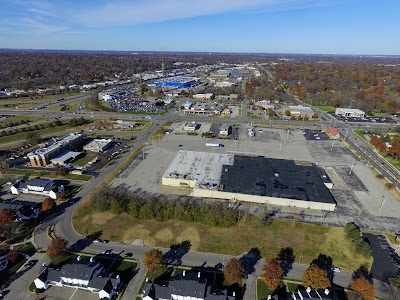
<point x="89" y="156"/>
<point x="26" y="102"/>
<point x="46" y="173"/>
<point x="360" y="133"/>
<point x="326" y="108"/>
<point x="292" y="286"/>
<point x="262" y="290"/>
<point x="46" y="131"/>
<point x="167" y="123"/>
<point x="19" y="119"/>
<point x="73" y="105"/>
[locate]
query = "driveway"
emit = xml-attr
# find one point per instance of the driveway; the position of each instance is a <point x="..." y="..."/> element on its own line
<point x="383" y="266"/>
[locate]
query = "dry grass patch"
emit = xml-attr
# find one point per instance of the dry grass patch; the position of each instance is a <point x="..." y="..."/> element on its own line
<point x="307" y="240"/>
<point x="101" y="218"/>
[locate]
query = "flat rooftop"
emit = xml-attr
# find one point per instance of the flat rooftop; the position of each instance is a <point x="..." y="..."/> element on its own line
<point x="51" y="146"/>
<point x="278" y="178"/>
<point x="203" y="167"/>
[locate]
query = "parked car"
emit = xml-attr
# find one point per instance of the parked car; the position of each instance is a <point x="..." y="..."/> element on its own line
<point x="107" y="252"/>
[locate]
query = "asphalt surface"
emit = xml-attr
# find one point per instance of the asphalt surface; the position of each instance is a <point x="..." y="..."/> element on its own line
<point x="62" y="222"/>
<point x="383" y="267"/>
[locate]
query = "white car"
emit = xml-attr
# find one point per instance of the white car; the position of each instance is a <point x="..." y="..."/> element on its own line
<point x="336" y="269"/>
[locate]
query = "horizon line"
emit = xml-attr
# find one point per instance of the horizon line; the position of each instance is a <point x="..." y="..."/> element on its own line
<point x="200" y="52"/>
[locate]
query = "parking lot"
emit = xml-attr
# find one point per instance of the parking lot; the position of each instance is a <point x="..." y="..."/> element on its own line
<point x="386" y="262"/>
<point x="358" y="194"/>
<point x="315" y="135"/>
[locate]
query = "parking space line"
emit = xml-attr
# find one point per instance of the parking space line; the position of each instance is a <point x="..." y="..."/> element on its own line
<point x="73" y="294"/>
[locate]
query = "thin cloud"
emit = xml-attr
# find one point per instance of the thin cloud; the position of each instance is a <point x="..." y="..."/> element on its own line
<point x="122" y="12"/>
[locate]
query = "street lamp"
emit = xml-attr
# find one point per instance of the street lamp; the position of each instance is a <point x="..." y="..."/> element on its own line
<point x="383" y="202"/>
<point x="351" y="168"/>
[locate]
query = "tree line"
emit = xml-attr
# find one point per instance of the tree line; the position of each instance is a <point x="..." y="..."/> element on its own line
<point x="147" y="207"/>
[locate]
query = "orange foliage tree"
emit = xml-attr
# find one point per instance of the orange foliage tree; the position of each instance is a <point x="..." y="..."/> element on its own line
<point x="363" y="287"/>
<point x="316" y="278"/>
<point x="395" y="149"/>
<point x="57" y="247"/>
<point x="7" y="216"/>
<point x="48" y="204"/>
<point x="272" y="274"/>
<point x="153" y="259"/>
<point x="234" y="271"/>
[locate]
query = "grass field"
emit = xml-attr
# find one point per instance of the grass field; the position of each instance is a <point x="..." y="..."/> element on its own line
<point x="45" y="173"/>
<point x="158" y="134"/>
<point x="19" y="118"/>
<point x="84" y="160"/>
<point x="326" y="108"/>
<point x="26" y="102"/>
<point x="46" y="131"/>
<point x="309" y="241"/>
<point x="73" y="105"/>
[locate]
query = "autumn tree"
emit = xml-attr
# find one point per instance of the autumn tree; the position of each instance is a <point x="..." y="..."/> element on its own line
<point x="7" y="216"/>
<point x="287" y="113"/>
<point x="336" y="103"/>
<point x="271" y="112"/>
<point x="57" y="247"/>
<point x="314" y="116"/>
<point x="363" y="287"/>
<point x="48" y="204"/>
<point x="316" y="278"/>
<point x="234" y="271"/>
<point x="395" y="149"/>
<point x="272" y="274"/>
<point x="153" y="259"/>
<point x="12" y="256"/>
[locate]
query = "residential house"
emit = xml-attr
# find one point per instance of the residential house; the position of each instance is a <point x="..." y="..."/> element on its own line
<point x="188" y="286"/>
<point x="82" y="274"/>
<point x="23" y="209"/>
<point x="39" y="186"/>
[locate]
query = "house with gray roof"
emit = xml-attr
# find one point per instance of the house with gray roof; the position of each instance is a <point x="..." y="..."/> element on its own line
<point x="188" y="286"/>
<point x="39" y="186"/>
<point x="82" y="274"/>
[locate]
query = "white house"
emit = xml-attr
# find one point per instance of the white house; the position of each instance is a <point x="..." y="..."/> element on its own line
<point x="82" y="274"/>
<point x="39" y="186"/>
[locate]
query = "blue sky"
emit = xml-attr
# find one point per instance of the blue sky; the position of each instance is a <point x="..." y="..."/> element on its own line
<point x="266" y="26"/>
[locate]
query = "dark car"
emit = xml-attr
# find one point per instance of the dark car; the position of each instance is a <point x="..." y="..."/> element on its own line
<point x="128" y="254"/>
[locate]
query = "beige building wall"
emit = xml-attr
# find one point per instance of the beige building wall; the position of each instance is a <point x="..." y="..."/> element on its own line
<point x="263" y="199"/>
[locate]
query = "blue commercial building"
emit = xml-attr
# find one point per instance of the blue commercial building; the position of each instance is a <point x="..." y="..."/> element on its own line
<point x="179" y="82"/>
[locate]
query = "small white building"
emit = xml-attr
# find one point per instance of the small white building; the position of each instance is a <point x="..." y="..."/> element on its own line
<point x="38" y="186"/>
<point x="349" y="112"/>
<point x="224" y="130"/>
<point x="97" y="145"/>
<point x="206" y="96"/>
<point x="300" y="110"/>
<point x="191" y="126"/>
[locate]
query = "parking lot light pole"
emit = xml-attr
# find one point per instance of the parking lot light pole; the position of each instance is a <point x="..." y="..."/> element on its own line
<point x="332" y="145"/>
<point x="383" y="202"/>
<point x="351" y="168"/>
